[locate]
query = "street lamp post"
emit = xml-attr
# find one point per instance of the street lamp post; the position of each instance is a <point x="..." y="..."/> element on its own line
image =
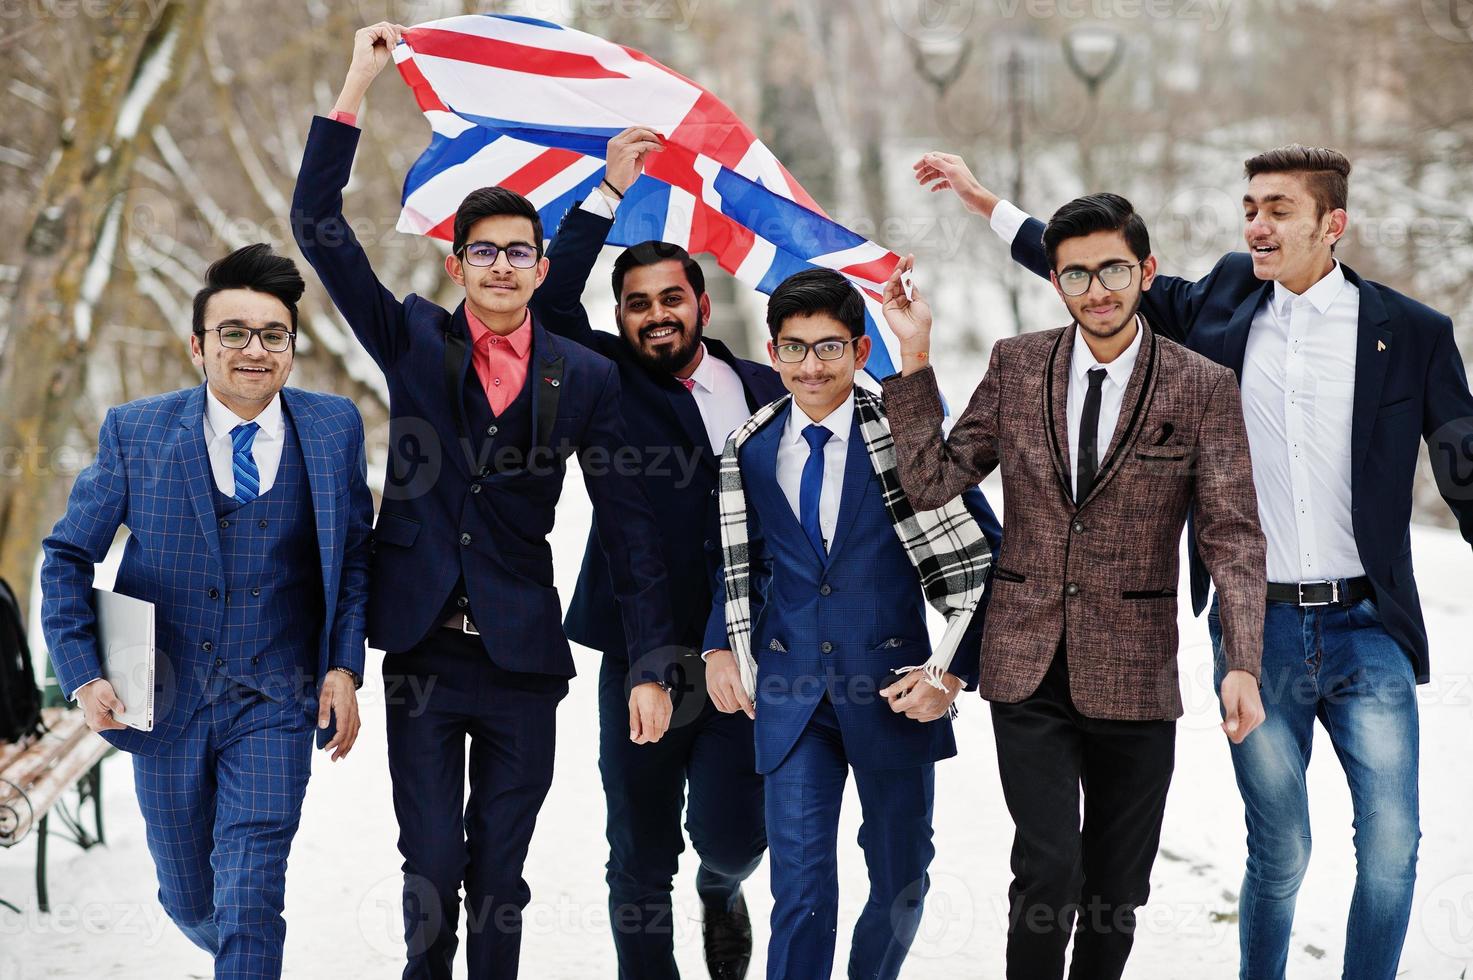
<point x="1093" y="54"/>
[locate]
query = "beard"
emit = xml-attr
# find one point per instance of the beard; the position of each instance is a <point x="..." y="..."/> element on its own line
<point x="1124" y="322"/>
<point x="669" y="358"/>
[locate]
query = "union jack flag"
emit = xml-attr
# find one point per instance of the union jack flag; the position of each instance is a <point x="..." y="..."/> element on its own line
<point x="531" y="105"/>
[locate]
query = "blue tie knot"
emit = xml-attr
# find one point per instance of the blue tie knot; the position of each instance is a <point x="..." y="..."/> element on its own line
<point x="817" y="435"/>
<point x="243" y="435"/>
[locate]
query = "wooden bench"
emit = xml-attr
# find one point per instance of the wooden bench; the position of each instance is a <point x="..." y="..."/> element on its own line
<point x="35" y="776"/>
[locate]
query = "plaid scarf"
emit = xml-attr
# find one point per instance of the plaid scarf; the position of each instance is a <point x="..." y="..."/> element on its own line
<point x="945" y="545"/>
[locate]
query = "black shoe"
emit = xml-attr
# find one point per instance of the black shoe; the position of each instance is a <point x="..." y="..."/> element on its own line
<point x="728" y="940"/>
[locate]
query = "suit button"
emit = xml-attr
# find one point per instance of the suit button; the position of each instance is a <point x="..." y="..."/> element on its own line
<point x="465" y="539"/>
<point x="462" y="602"/>
<point x="255" y="660"/>
<point x="1078" y="527"/>
<point x="826" y="647"/>
<point x="255" y="592"/>
<point x="214" y="593"/>
<point x="825" y="589"/>
<point x="715" y="493"/>
<point x="262" y="525"/>
<point x="475" y="488"/>
<point x="207" y="646"/>
<point x="1071" y="589"/>
<point x="219" y="662"/>
<point x="224" y="523"/>
<point x="490" y="430"/>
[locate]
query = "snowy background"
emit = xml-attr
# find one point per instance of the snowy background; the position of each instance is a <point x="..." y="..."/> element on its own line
<point x="343" y="882"/>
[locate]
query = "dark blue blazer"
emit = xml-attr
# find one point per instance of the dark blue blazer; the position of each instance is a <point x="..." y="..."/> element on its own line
<point x="1413" y="389"/>
<point x="152" y="475"/>
<point x="675" y="462"/>
<point x="836" y="625"/>
<point x="457" y="507"/>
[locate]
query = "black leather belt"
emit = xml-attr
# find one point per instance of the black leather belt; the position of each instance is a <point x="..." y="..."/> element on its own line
<point x="461" y="624"/>
<point x="1346" y="592"/>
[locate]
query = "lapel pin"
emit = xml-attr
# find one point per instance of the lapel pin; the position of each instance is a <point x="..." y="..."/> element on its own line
<point x="1380" y="345"/>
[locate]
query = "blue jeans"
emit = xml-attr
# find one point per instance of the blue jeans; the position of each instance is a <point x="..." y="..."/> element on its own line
<point x="1341" y="666"/>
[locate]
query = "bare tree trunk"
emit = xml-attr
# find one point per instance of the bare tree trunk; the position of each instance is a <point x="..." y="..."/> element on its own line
<point x="68" y="258"/>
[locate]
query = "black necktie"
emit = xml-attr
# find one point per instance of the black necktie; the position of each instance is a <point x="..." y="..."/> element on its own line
<point x="1089" y="429"/>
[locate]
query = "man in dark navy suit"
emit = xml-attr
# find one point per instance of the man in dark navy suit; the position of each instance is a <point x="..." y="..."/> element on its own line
<point x="1341" y="379"/>
<point x="485" y="405"/>
<point x="683" y="394"/>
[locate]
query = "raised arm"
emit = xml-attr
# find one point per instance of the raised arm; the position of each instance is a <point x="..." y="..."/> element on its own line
<point x="1171" y="304"/>
<point x="934" y="469"/>
<point x="558" y="302"/>
<point x="322" y="233"/>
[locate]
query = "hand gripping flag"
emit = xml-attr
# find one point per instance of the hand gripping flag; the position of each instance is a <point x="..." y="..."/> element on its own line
<point x="530" y="106"/>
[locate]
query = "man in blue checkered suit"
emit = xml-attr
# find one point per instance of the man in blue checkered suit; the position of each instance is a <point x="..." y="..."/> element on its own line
<point x="249" y="512"/>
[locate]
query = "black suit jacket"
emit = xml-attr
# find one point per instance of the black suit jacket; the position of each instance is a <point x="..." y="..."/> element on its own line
<point x="668" y="448"/>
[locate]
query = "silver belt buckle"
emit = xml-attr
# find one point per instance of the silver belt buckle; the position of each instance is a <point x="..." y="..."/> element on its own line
<point x="1334" y="599"/>
<point x="467" y="627"/>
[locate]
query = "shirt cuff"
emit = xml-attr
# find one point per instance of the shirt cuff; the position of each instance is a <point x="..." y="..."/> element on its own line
<point x="1007" y="219"/>
<point x="337" y="115"/>
<point x="599" y="203"/>
<point x="80" y="686"/>
<point x="708" y="653"/>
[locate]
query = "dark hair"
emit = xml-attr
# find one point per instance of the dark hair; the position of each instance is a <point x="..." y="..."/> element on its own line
<point x="253" y="267"/>
<point x="488" y="202"/>
<point x="1326" y="172"/>
<point x="816" y="291"/>
<point x="652" y="253"/>
<point x="1096" y="212"/>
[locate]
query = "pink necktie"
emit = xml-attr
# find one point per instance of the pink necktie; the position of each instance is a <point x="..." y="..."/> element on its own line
<point x="690" y="383"/>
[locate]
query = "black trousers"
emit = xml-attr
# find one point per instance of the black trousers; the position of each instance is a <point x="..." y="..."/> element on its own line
<point x="706" y="764"/>
<point x="1086" y="879"/>
<point x="439" y="693"/>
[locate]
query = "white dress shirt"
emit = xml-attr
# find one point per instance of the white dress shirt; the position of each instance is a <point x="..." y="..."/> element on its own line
<point x="266" y="450"/>
<point x="1112" y="393"/>
<point x="1298" y="391"/>
<point x="719" y="397"/>
<point x="792" y="456"/>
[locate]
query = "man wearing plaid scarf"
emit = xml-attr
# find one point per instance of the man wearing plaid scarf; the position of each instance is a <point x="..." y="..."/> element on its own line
<point x="818" y="631"/>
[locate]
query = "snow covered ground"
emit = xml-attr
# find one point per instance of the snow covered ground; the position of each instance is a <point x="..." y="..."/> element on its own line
<point x="343" y="883"/>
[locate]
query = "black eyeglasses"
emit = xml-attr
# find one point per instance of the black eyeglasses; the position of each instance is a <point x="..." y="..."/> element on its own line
<point x="483" y="254"/>
<point x="277" y="340"/>
<point x="794" y="352"/>
<point x="1075" y="282"/>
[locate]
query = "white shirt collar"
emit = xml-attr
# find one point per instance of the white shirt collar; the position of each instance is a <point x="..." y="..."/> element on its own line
<point x="1321" y="295"/>
<point x="222" y="420"/>
<point x="1118" y="370"/>
<point x="838" y="422"/>
<point x="704" y="374"/>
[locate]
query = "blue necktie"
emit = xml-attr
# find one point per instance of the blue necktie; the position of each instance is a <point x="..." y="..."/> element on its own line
<point x="810" y="490"/>
<point x="247" y="477"/>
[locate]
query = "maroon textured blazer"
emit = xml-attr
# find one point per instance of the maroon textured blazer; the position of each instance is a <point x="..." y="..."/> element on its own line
<point x="1100" y="576"/>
